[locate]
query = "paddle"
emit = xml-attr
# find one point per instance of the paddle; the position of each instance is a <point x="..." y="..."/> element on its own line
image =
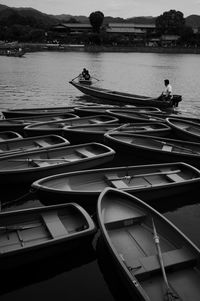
<point x="35" y="159"/>
<point x="169" y="295"/>
<point x="146" y="174"/>
<point x="16" y="228"/>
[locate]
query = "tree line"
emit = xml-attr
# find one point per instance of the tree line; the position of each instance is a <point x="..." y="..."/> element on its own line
<point x="24" y="29"/>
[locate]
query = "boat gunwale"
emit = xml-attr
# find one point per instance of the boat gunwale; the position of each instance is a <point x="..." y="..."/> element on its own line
<point x="108" y="151"/>
<point x="38" y="184"/>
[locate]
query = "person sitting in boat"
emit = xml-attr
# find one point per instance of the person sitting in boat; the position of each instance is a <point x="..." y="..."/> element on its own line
<point x="87" y="75"/>
<point x="82" y="74"/>
<point x="167" y="93"/>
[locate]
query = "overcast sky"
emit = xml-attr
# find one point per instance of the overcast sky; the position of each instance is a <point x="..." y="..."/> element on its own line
<point x="114" y="8"/>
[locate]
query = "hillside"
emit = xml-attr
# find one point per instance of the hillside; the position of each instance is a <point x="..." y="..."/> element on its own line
<point x="35" y="18"/>
<point x="25" y="16"/>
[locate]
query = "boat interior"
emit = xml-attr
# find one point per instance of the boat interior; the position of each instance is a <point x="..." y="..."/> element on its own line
<point x="29" y="229"/>
<point x="131" y="233"/>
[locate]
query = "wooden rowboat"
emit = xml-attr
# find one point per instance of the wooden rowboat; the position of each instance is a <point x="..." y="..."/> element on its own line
<point x="154" y="259"/>
<point x="56" y="127"/>
<point x="24" y="145"/>
<point x="149" y="182"/>
<point x="35" y="233"/>
<point x="25" y="112"/>
<point x="177" y="115"/>
<point x="89" y="133"/>
<point x="146" y="128"/>
<point x="124" y="98"/>
<point x="9" y="135"/>
<point x="128" y="115"/>
<point x="184" y="129"/>
<point x="152" y="149"/>
<point x="18" y="124"/>
<point x="93" y="110"/>
<point x="30" y="166"/>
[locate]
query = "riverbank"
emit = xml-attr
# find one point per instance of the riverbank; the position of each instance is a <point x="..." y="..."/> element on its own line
<point x="32" y="47"/>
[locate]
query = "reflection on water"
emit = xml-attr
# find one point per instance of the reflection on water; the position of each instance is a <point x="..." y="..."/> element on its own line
<point x="41" y="79"/>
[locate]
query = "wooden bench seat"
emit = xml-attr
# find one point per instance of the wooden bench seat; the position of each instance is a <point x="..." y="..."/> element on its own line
<point x="125" y="222"/>
<point x="176" y="259"/>
<point x="42" y="143"/>
<point x="95" y="121"/>
<point x="54" y="224"/>
<point x="174" y="177"/>
<point x="167" y="148"/>
<point x="84" y="152"/>
<point x="112" y="180"/>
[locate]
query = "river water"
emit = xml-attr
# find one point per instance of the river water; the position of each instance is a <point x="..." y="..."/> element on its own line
<point x="42" y="79"/>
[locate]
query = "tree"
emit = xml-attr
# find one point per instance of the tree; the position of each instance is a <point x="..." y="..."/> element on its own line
<point x="96" y="20"/>
<point x="170" y="22"/>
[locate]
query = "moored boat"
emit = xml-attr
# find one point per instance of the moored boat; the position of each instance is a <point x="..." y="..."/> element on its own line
<point x="124" y="98"/>
<point x="150" y="182"/>
<point x="89" y="133"/>
<point x="28" y="235"/>
<point x="184" y="129"/>
<point x="146" y="128"/>
<point x="93" y="110"/>
<point x="152" y="149"/>
<point x="154" y="259"/>
<point x="30" y="166"/>
<point x="129" y="115"/>
<point x="25" y="112"/>
<point x="9" y="135"/>
<point x="18" y="124"/>
<point x="24" y="145"/>
<point x="57" y="127"/>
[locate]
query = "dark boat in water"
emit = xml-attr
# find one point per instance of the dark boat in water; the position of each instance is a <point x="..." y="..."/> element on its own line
<point x="154" y="149"/>
<point x="129" y="115"/>
<point x="89" y="133"/>
<point x="9" y="135"/>
<point x="57" y="127"/>
<point x="146" y="128"/>
<point x="185" y="129"/>
<point x="29" y="166"/>
<point x="26" y="112"/>
<point x="124" y="98"/>
<point x="18" y="124"/>
<point x="28" y="235"/>
<point x="150" y="182"/>
<point x="24" y="145"/>
<point x="154" y="259"/>
<point x="93" y="110"/>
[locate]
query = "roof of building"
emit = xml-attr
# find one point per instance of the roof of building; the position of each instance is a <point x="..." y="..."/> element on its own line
<point x="77" y="25"/>
<point x="131" y="25"/>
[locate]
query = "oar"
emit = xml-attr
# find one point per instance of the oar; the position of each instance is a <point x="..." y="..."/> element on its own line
<point x="146" y="174"/>
<point x="35" y="159"/>
<point x="178" y="146"/>
<point x="169" y="295"/>
<point x="74" y="78"/>
<point x="96" y="78"/>
<point x="16" y="228"/>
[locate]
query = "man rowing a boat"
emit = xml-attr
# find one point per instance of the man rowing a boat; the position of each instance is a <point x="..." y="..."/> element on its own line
<point x="167" y="93"/>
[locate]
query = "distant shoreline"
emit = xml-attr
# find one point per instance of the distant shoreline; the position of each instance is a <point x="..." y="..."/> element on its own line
<point x="32" y="47"/>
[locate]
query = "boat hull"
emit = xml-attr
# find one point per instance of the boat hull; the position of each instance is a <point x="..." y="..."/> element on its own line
<point x="161" y="181"/>
<point x="36" y="239"/>
<point x="128" y="227"/>
<point x="136" y="154"/>
<point x="122" y="98"/>
<point x="17" y="173"/>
